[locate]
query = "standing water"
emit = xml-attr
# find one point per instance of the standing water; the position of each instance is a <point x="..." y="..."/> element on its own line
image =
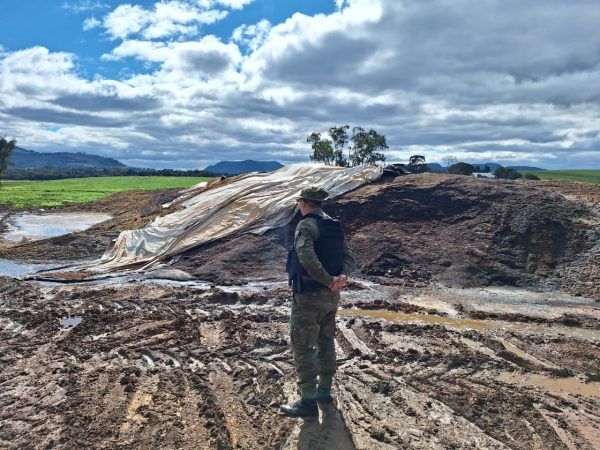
<point x="41" y="226"/>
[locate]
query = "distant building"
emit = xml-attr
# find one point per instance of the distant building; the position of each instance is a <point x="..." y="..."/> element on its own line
<point x="483" y="175"/>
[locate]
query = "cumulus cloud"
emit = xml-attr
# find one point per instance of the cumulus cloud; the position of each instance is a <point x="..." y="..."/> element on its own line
<point x="125" y="20"/>
<point x="500" y="80"/>
<point x="252" y="36"/>
<point x="208" y="55"/>
<point x="91" y="23"/>
<point x="166" y="18"/>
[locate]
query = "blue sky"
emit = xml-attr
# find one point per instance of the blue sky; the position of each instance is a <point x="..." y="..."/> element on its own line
<point x="185" y="83"/>
<point x="57" y="25"/>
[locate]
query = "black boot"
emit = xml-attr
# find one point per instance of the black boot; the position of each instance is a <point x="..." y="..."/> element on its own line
<point x="302" y="408"/>
<point x="324" y="395"/>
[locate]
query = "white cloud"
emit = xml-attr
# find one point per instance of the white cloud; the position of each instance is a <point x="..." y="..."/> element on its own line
<point x="172" y="18"/>
<point x="84" y="6"/>
<point x="126" y="20"/>
<point x="90" y="23"/>
<point x="252" y="36"/>
<point x="150" y="51"/>
<point x="341" y="4"/>
<point x="208" y="56"/>
<point x="495" y="80"/>
<point x="233" y="4"/>
<point x="164" y="19"/>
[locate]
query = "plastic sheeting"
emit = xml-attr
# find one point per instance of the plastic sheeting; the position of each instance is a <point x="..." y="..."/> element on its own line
<point x="253" y="203"/>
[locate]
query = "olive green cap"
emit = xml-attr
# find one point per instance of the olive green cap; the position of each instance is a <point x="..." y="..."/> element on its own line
<point x="314" y="193"/>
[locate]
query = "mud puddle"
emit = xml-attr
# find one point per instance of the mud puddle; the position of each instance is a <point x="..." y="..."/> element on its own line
<point x="470" y="324"/>
<point x="567" y="385"/>
<point x="40" y="226"/>
<point x="70" y="322"/>
<point x="15" y="269"/>
<point x="503" y="301"/>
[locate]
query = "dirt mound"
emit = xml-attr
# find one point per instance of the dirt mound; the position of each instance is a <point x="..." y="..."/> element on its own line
<point x="467" y="231"/>
<point x="587" y="192"/>
<point x="460" y="231"/>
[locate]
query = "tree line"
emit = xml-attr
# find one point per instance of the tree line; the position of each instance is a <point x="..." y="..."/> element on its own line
<point x="59" y="173"/>
<point x="505" y="173"/>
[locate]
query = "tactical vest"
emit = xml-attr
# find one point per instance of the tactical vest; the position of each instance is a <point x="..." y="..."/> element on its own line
<point x="330" y="252"/>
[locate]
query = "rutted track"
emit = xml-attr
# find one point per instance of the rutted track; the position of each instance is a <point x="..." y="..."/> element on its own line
<point x="156" y="366"/>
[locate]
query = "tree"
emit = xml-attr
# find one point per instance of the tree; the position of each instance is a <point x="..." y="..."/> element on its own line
<point x="322" y="149"/>
<point x="462" y="168"/>
<point x="416" y="164"/>
<point x="364" y="146"/>
<point x="531" y="176"/>
<point x="486" y="169"/>
<point x="6" y="148"/>
<point x="507" y="174"/>
<point x="339" y="137"/>
<point x="449" y="160"/>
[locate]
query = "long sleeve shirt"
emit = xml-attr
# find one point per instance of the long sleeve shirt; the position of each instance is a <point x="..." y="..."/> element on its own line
<point x="307" y="232"/>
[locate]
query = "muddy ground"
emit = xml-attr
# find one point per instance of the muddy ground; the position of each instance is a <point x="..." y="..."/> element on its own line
<point x="142" y="365"/>
<point x="473" y="322"/>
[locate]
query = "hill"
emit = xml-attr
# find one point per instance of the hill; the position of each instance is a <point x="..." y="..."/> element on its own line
<point x="436" y="167"/>
<point x="28" y="159"/>
<point x="237" y="167"/>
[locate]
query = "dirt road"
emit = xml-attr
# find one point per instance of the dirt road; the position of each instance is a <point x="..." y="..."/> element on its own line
<point x="142" y="365"/>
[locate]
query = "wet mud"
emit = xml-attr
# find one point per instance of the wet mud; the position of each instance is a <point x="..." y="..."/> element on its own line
<point x="157" y="365"/>
<point x="473" y="322"/>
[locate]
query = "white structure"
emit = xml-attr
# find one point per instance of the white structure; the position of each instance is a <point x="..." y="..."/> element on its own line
<point x="483" y="175"/>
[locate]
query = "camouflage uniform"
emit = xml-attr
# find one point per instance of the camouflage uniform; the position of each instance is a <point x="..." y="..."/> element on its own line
<point x="312" y="320"/>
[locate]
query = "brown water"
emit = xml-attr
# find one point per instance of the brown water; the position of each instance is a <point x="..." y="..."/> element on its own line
<point x="568" y="385"/>
<point x="470" y="324"/>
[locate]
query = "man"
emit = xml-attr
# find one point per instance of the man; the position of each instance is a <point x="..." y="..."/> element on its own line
<point x="318" y="265"/>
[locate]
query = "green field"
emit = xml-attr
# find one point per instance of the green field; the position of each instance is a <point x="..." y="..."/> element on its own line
<point x="585" y="176"/>
<point x="78" y="190"/>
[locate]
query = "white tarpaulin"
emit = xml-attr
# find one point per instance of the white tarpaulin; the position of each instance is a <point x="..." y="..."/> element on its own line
<point x="253" y="203"/>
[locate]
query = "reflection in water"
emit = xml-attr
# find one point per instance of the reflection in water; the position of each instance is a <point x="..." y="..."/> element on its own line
<point x="35" y="226"/>
<point x="14" y="269"/>
<point x="328" y="434"/>
<point x="471" y="324"/>
<point x="70" y="322"/>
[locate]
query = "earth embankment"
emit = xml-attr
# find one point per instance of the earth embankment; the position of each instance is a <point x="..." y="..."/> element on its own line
<point x="459" y="231"/>
<point x="456" y="230"/>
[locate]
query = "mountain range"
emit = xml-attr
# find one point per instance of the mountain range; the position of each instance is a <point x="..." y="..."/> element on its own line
<point x="28" y="159"/>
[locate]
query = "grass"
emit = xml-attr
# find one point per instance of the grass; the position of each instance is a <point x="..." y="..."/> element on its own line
<point x="585" y="176"/>
<point x="80" y="190"/>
